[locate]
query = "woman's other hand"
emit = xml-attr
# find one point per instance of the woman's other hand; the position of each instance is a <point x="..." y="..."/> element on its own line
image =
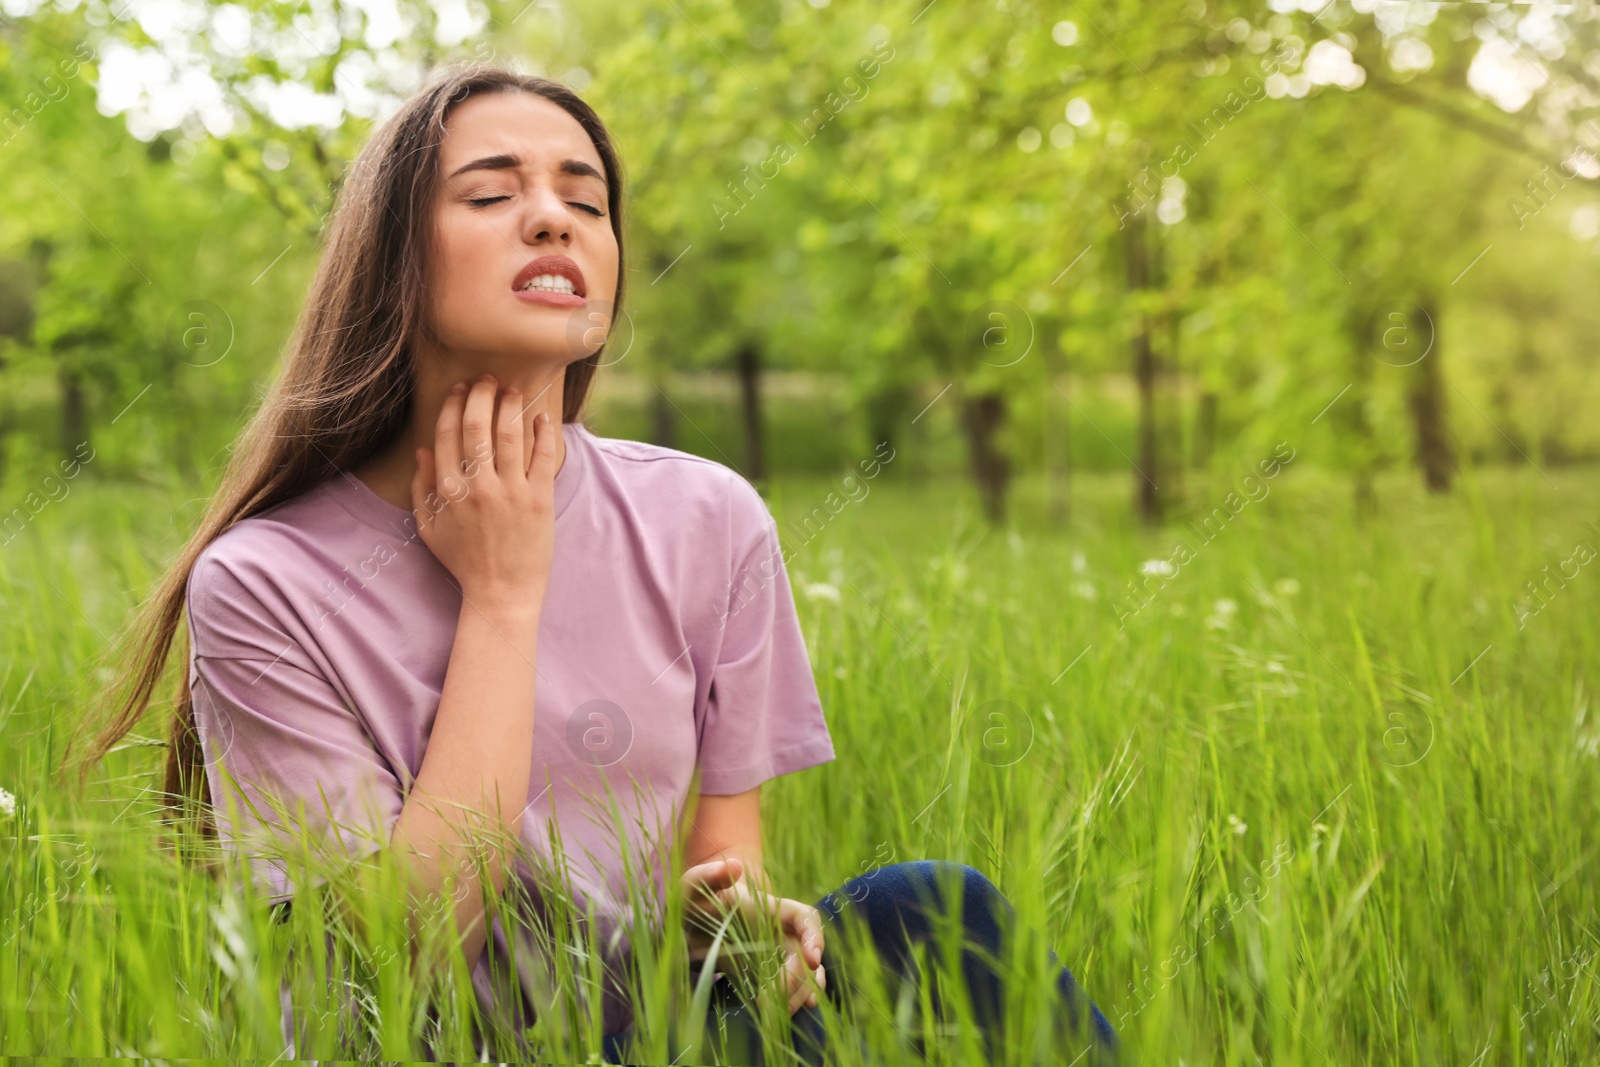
<point x="484" y="495"/>
<point x="713" y="888"/>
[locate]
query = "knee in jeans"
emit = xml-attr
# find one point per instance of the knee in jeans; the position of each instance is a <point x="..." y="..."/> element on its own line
<point x="940" y="872"/>
<point x="944" y="873"/>
<point x="917" y="882"/>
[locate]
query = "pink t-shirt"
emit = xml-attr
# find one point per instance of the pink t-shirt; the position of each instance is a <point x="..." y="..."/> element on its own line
<point x="321" y="630"/>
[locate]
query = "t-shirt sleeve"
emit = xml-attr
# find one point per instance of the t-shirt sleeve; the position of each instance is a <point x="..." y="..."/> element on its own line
<point x="294" y="777"/>
<point x="762" y="716"/>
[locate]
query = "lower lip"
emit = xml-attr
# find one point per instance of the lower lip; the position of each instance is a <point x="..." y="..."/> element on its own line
<point x="545" y="296"/>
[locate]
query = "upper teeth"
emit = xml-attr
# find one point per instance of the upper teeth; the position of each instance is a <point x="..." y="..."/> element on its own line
<point x="554" y="282"/>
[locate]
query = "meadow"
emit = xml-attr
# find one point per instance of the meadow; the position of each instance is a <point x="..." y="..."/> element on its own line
<point x="1328" y="797"/>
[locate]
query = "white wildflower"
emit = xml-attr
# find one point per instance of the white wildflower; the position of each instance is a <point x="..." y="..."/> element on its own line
<point x="821" y="591"/>
<point x="1236" y="824"/>
<point x="1222" y="613"/>
<point x="1158" y="566"/>
<point x="1286" y="587"/>
<point x="1084" y="590"/>
<point x="1080" y="563"/>
<point x="8" y="805"/>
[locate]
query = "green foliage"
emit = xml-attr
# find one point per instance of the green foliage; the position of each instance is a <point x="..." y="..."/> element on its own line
<point x="911" y="200"/>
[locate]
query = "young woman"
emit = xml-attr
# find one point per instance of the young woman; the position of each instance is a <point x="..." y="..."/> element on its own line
<point x="427" y="600"/>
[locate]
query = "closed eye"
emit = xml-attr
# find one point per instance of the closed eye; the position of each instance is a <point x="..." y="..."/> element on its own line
<point x="485" y="201"/>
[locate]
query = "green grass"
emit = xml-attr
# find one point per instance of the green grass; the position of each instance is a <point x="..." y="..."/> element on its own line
<point x="1352" y="821"/>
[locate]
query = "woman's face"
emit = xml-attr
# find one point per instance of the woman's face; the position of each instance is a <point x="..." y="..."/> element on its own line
<point x="524" y="261"/>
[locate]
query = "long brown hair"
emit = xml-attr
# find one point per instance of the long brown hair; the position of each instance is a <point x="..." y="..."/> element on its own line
<point x="346" y="387"/>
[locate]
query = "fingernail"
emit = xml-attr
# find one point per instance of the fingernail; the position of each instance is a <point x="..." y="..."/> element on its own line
<point x="486" y="377"/>
<point x="458" y="388"/>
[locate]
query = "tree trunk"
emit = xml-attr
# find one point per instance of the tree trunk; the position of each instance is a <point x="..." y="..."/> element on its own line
<point x="982" y="417"/>
<point x="886" y="407"/>
<point x="8" y="415"/>
<point x="1435" y="455"/>
<point x="1353" y="414"/>
<point x="1147" y="503"/>
<point x="1205" y="430"/>
<point x="1169" y="369"/>
<point x="1057" y="435"/>
<point x="748" y="362"/>
<point x="74" y="411"/>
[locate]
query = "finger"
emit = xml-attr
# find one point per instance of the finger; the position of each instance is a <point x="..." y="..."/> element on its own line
<point x="805" y="923"/>
<point x="477" y="425"/>
<point x="710" y="876"/>
<point x="509" y="455"/>
<point x="546" y="433"/>
<point x="813" y="986"/>
<point x="528" y="416"/>
<point x="703" y="886"/>
<point x="447" y="442"/>
<point x="799" y="991"/>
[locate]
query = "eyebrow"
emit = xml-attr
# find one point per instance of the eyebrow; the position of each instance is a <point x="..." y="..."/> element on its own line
<point x="511" y="162"/>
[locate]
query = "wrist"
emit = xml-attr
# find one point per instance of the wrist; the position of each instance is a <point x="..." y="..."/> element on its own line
<point x="520" y="608"/>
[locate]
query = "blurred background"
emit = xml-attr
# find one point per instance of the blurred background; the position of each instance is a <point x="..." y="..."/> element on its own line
<point x="1072" y="289"/>
<point x="1031" y="240"/>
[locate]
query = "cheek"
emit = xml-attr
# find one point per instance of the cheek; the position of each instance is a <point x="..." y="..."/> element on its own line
<point x="606" y="262"/>
<point x="463" y="275"/>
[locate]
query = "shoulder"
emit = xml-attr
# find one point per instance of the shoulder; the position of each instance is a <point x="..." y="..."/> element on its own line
<point x="694" y="487"/>
<point x="642" y="456"/>
<point x="255" y="553"/>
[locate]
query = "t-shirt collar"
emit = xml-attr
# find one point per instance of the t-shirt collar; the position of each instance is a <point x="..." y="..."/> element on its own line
<point x="368" y="507"/>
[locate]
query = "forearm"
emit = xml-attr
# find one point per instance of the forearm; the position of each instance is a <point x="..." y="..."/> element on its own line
<point x="725" y="827"/>
<point x="473" y="782"/>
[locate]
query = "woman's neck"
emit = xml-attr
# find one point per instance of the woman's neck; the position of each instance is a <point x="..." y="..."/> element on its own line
<point x="389" y="474"/>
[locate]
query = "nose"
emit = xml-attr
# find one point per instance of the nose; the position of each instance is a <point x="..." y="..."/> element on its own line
<point x="545" y="218"/>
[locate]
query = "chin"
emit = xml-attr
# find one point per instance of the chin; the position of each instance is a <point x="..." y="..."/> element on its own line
<point x="561" y="339"/>
<point x="544" y="342"/>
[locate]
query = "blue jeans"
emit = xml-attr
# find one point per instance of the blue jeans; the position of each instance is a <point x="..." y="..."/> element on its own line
<point x="895" y="903"/>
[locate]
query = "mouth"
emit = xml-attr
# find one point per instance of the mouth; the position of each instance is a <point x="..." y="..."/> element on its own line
<point x="559" y="275"/>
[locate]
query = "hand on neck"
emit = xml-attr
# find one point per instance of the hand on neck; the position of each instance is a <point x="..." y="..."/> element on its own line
<point x="541" y="385"/>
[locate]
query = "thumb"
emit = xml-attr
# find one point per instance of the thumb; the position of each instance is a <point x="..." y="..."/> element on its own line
<point x="546" y="432"/>
<point x="705" y="880"/>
